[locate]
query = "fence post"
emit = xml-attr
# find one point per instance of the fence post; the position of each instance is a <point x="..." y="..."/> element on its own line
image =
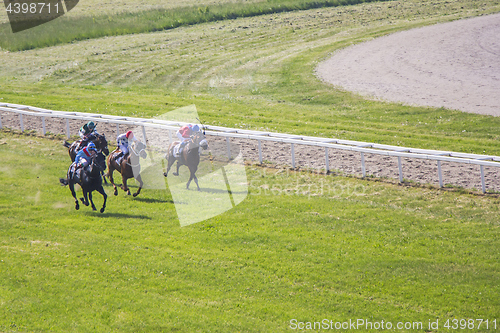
<point x="440" y="175"/>
<point x="400" y="170"/>
<point x="293" y="156"/>
<point x="21" y="122"/>
<point x="144" y="135"/>
<point x="228" y="148"/>
<point x="260" y="152"/>
<point x="67" y="128"/>
<point x="327" y="160"/>
<point x="117" y="130"/>
<point x="363" y="169"/>
<point x="483" y="185"/>
<point x="43" y="126"/>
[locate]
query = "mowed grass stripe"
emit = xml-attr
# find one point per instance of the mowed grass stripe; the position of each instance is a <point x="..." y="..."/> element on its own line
<point x="259" y="77"/>
<point x="66" y="30"/>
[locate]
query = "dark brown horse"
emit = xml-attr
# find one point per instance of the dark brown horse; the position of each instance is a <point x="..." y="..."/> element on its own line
<point x="99" y="140"/>
<point x="129" y="166"/>
<point x="90" y="180"/>
<point x="190" y="156"/>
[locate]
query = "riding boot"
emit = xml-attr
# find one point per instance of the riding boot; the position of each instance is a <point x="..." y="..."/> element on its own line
<point x="119" y="158"/>
<point x="181" y="147"/>
<point x="72" y="172"/>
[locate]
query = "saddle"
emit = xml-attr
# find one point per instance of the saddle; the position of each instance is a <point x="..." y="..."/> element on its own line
<point x="78" y="173"/>
<point x="178" y="149"/>
<point x="119" y="156"/>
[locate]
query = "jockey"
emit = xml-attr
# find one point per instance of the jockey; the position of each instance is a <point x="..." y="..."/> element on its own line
<point x="84" y="156"/>
<point x="184" y="134"/>
<point x="86" y="133"/>
<point x="123" y="142"/>
<point x="86" y="129"/>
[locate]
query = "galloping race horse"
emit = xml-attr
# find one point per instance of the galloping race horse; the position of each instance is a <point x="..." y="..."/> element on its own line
<point x="101" y="145"/>
<point x="91" y="180"/>
<point x="129" y="166"/>
<point x="190" y="156"/>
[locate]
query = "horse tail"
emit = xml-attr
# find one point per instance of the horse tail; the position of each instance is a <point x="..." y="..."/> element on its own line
<point x="63" y="181"/>
<point x="66" y="144"/>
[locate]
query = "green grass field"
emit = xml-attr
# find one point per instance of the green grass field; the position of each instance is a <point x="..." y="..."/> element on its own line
<point x="318" y="247"/>
<point x="300" y="246"/>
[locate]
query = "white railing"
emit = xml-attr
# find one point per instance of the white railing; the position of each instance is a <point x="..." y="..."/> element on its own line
<point x="328" y="143"/>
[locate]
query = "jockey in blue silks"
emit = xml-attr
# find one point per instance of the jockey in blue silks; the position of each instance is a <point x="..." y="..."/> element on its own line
<point x="84" y="157"/>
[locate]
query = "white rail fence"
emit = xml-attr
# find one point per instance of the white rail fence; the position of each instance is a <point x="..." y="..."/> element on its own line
<point x="327" y="143"/>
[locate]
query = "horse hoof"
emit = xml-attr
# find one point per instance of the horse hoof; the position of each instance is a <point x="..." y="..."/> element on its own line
<point x="165" y="174"/>
<point x="115" y="192"/>
<point x="135" y="194"/>
<point x="102" y="210"/>
<point x="176" y="174"/>
<point x="77" y="207"/>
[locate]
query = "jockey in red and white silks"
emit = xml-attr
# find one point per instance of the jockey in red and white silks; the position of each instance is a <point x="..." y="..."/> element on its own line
<point x="184" y="134"/>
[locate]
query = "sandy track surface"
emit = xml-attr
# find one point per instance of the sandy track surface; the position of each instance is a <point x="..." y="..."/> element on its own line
<point x="278" y="154"/>
<point x="454" y="65"/>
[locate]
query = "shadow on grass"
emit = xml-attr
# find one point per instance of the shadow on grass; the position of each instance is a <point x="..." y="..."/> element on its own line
<point x="151" y="200"/>
<point x="117" y="215"/>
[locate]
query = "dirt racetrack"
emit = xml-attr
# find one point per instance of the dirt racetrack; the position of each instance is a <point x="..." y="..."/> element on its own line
<point x="454" y="65"/>
<point x="279" y="155"/>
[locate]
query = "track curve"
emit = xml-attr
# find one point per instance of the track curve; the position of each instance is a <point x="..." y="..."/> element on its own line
<point x="454" y="65"/>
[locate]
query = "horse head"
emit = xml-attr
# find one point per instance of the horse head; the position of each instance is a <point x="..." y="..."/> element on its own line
<point x="140" y="149"/>
<point x="102" y="144"/>
<point x="97" y="165"/>
<point x="200" y="140"/>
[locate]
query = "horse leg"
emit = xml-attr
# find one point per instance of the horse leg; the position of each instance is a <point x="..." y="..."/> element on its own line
<point x="124" y="185"/>
<point x="111" y="180"/>
<point x="101" y="190"/>
<point x="139" y="179"/>
<point x="191" y="177"/>
<point x="189" y="181"/>
<point x="85" y="199"/>
<point x="104" y="177"/>
<point x="72" y="188"/>
<point x="91" y="201"/>
<point x="196" y="181"/>
<point x="171" y="161"/>
<point x="178" y="166"/>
